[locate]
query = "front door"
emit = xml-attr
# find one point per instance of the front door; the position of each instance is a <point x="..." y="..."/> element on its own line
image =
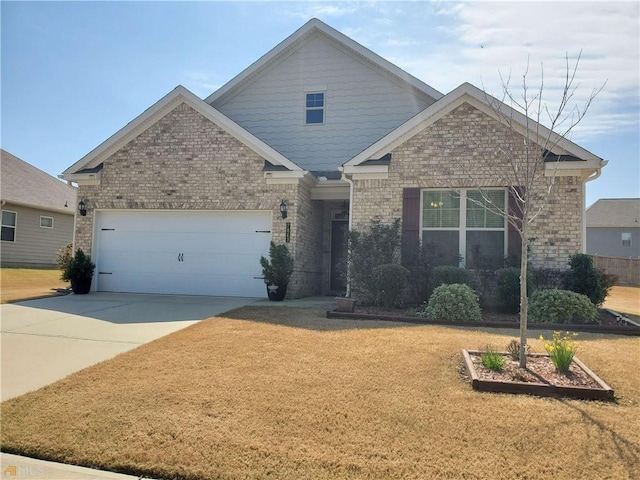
<point x="339" y="229"/>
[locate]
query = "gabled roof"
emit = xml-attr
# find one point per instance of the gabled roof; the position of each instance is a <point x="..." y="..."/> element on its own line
<point x="24" y="184"/>
<point x="304" y="33"/>
<point x="91" y="161"/>
<point x="467" y="93"/>
<point x="614" y="212"/>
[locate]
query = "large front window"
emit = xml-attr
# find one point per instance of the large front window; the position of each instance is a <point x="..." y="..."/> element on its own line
<point x="464" y="226"/>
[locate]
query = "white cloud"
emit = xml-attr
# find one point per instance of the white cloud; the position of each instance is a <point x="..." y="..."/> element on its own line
<point x="480" y="40"/>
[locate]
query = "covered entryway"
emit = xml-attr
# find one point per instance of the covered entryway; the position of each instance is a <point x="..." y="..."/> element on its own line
<point x="181" y="252"/>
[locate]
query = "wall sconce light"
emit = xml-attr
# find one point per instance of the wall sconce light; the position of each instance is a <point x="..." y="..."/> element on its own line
<point x="283" y="209"/>
<point x="82" y="208"/>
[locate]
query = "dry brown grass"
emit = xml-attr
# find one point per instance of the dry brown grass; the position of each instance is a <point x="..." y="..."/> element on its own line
<point x="624" y="300"/>
<point x="287" y="394"/>
<point x="27" y="283"/>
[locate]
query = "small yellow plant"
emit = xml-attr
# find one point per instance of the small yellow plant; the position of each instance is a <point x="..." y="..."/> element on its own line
<point x="561" y="350"/>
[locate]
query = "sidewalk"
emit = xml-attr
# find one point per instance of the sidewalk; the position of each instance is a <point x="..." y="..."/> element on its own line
<point x="16" y="467"/>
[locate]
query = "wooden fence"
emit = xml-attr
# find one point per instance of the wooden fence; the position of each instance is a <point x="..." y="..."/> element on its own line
<point x="626" y="269"/>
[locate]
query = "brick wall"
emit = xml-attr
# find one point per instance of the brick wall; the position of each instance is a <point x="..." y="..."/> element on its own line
<point x="458" y="151"/>
<point x="186" y="162"/>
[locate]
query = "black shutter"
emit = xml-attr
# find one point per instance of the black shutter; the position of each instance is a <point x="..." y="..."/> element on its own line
<point x="410" y="224"/>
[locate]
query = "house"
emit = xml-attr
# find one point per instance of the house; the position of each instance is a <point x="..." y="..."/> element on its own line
<point x="613" y="229"/>
<point x="318" y="136"/>
<point x="37" y="214"/>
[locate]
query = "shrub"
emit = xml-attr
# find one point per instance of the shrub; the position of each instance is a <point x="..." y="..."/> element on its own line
<point x="583" y="277"/>
<point x="561" y="306"/>
<point x="379" y="245"/>
<point x="427" y="257"/>
<point x="509" y="288"/>
<point x="278" y="268"/>
<point x="491" y="359"/>
<point x="64" y="256"/>
<point x="388" y="282"/>
<point x="543" y="278"/>
<point x="455" y="303"/>
<point x="448" y="275"/>
<point x="79" y="267"/>
<point x="561" y="350"/>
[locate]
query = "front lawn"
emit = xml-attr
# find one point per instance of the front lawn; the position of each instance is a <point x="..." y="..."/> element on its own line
<point x="27" y="283"/>
<point x="273" y="392"/>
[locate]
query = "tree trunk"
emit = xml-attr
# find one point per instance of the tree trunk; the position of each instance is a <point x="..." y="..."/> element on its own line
<point x="524" y="301"/>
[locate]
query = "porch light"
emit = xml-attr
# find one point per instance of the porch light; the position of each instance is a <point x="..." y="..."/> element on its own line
<point x="283" y="209"/>
<point x="82" y="208"/>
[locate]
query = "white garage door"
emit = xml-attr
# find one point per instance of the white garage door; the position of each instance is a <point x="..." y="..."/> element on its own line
<point x="188" y="253"/>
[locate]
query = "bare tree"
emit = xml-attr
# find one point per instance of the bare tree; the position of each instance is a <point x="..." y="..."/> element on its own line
<point x="529" y="170"/>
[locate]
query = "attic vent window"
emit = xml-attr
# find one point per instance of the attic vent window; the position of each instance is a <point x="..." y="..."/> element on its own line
<point x="314" y="109"/>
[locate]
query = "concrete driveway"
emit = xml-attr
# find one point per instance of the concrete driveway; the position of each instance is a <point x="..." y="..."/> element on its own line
<point x="46" y="340"/>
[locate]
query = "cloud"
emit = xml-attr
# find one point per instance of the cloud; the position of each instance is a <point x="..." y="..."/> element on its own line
<point x="479" y="41"/>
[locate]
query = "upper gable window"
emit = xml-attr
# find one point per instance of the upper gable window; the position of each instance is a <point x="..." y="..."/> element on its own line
<point x="314" y="108"/>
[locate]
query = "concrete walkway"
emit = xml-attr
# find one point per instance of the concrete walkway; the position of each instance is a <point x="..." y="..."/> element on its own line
<point x="45" y="340"/>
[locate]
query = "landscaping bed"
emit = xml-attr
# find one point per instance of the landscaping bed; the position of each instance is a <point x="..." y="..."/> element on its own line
<point x="539" y="378"/>
<point x="610" y="323"/>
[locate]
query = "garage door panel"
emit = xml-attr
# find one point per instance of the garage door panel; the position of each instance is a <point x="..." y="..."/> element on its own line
<point x="195" y="253"/>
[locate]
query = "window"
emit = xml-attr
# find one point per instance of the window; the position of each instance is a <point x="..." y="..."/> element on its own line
<point x="46" y="222"/>
<point x="9" y="226"/>
<point x="314" y="108"/>
<point x="463" y="227"/>
<point x="626" y="240"/>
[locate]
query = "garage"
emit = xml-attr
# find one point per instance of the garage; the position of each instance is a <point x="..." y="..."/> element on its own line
<point x="181" y="252"/>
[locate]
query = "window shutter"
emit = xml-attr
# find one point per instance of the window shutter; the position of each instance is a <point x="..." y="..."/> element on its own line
<point x="410" y="225"/>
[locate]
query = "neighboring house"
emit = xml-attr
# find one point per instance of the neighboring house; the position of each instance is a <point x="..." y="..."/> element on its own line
<point x="186" y="197"/>
<point x="37" y="214"/>
<point x="613" y="228"/>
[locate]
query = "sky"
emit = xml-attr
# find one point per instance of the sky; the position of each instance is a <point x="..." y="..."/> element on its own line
<point x="74" y="73"/>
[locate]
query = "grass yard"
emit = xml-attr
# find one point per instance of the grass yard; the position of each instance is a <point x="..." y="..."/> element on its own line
<point x="27" y="283"/>
<point x="284" y="393"/>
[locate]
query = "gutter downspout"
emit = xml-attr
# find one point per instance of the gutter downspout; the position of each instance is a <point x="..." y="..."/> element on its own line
<point x="350" y="182"/>
<point x="594" y="176"/>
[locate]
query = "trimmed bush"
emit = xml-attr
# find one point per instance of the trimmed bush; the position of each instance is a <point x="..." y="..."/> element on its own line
<point x="561" y="306"/>
<point x="368" y="249"/>
<point x="389" y="281"/>
<point x="583" y="277"/>
<point x="448" y="275"/>
<point x="454" y="303"/>
<point x="509" y="288"/>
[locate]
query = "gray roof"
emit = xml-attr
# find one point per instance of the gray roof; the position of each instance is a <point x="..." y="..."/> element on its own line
<point x="614" y="212"/>
<point x="23" y="184"/>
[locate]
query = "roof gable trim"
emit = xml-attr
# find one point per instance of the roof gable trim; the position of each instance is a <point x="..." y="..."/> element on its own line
<point x="156" y="112"/>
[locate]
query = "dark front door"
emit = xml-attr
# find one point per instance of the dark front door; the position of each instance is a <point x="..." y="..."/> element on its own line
<point x="339" y="229"/>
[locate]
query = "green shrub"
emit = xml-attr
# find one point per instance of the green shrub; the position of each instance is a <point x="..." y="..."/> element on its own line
<point x="388" y="283"/>
<point x="583" y="277"/>
<point x="448" y="275"/>
<point x="427" y="256"/>
<point x="278" y="268"/>
<point x="455" y="303"/>
<point x="492" y="359"/>
<point x="79" y="267"/>
<point x="509" y="288"/>
<point x="368" y="249"/>
<point x="561" y="306"/>
<point x="543" y="278"/>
